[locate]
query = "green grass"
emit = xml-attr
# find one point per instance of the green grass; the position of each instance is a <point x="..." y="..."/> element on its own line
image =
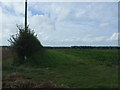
<point x="87" y="68"/>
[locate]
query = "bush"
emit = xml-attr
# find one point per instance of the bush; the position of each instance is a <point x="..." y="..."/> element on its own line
<point x="25" y="43"/>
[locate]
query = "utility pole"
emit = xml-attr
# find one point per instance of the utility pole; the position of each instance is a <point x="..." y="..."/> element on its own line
<point x="25" y="14"/>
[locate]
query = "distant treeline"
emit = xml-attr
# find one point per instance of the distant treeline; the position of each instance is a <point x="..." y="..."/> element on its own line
<point x="85" y="47"/>
<point x="76" y="47"/>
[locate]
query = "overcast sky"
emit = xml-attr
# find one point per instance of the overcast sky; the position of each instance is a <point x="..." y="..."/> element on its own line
<point x="63" y="23"/>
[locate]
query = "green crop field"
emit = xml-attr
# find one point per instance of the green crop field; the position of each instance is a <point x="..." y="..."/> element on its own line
<point x="67" y="68"/>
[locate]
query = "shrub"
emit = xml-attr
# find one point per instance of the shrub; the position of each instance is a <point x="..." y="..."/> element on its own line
<point x="25" y="43"/>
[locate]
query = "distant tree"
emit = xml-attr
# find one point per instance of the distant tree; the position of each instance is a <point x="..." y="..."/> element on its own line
<point x="25" y="43"/>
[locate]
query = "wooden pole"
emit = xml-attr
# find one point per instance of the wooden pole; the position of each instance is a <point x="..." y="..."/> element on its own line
<point x="25" y="14"/>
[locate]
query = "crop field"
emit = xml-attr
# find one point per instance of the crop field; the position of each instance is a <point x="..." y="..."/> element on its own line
<point x="64" y="68"/>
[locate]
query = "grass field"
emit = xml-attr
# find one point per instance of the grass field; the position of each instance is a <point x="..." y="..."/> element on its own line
<point x="68" y="68"/>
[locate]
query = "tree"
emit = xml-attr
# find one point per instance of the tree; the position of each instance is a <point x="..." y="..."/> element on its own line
<point x="25" y="43"/>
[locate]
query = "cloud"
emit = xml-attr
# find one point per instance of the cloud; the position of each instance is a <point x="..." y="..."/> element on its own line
<point x="113" y="37"/>
<point x="8" y="22"/>
<point x="85" y="39"/>
<point x="92" y="38"/>
<point x="53" y="10"/>
<point x="42" y="25"/>
<point x="62" y="13"/>
<point x="63" y="23"/>
<point x="16" y="8"/>
<point x="104" y="25"/>
<point x="80" y="14"/>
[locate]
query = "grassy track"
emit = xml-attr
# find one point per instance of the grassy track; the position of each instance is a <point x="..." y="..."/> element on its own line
<point x="71" y="68"/>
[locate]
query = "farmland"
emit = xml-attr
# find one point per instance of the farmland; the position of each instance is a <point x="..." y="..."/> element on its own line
<point x="65" y="68"/>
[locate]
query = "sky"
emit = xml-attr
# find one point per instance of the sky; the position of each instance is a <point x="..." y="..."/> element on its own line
<point x="63" y="23"/>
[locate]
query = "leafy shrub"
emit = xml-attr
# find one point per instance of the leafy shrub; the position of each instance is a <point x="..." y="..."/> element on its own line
<point x="25" y="43"/>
